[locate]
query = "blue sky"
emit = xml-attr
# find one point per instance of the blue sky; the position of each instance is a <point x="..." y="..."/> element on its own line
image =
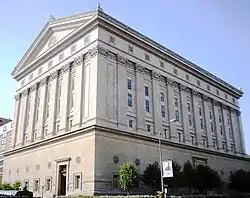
<point x="213" y="34"/>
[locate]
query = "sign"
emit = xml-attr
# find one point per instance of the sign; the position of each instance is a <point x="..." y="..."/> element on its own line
<point x="167" y="169"/>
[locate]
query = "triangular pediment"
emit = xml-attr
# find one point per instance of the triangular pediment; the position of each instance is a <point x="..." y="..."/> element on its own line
<point x="52" y="34"/>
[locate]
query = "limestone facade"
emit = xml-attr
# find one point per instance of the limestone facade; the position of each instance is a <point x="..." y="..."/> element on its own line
<point x="93" y="94"/>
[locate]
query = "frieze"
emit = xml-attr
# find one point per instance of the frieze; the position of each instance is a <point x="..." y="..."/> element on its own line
<point x="121" y="59"/>
<point x="155" y="75"/>
<point x="139" y="68"/>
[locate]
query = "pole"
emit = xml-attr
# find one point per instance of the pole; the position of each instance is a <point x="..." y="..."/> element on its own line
<point x="161" y="163"/>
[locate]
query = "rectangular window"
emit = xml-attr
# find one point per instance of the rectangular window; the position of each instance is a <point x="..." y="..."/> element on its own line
<point x="147" y="105"/>
<point x="192" y="140"/>
<point x="189" y="107"/>
<point x="48" y="184"/>
<point x="177" y="115"/>
<point x="176" y="102"/>
<point x="130" y="123"/>
<point x="211" y="126"/>
<point x="163" y="113"/>
<point x="179" y="137"/>
<point x="162" y="97"/>
<point x="201" y="122"/>
<point x="36" y="185"/>
<point x="129" y="99"/>
<point x="115" y="182"/>
<point x="148" y="128"/>
<point x="77" y="182"/>
<point x="200" y="111"/>
<point x="190" y="120"/>
<point x="129" y="84"/>
<point x="146" y="90"/>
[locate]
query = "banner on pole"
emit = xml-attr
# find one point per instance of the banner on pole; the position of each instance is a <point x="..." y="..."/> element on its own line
<point x="167" y="169"/>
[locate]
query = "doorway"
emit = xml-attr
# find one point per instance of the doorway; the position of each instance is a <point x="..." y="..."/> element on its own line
<point x="62" y="175"/>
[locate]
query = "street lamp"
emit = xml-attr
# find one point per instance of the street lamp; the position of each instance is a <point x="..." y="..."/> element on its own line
<point x="170" y="121"/>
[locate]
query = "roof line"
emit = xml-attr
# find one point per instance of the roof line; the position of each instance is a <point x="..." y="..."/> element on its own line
<point x="169" y="52"/>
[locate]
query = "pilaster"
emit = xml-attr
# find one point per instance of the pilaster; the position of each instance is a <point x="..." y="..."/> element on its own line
<point x="122" y="95"/>
<point x="216" y="107"/>
<point x="156" y="103"/>
<point x="16" y="121"/>
<point x="196" y="99"/>
<point x="65" y="98"/>
<point x="206" y="102"/>
<point x="140" y="99"/>
<point x="227" y="138"/>
<point x="171" y="110"/>
<point x="242" y="139"/>
<point x="184" y="91"/>
<point x="77" y="114"/>
<point x="52" y="109"/>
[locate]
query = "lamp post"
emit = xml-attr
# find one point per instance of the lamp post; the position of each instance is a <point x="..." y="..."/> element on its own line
<point x="162" y="187"/>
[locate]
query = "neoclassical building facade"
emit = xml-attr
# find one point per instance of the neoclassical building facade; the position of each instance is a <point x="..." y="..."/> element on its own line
<point x="94" y="93"/>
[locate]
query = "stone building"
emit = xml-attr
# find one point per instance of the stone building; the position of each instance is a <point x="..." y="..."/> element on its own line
<point x="94" y="93"/>
<point x="5" y="142"/>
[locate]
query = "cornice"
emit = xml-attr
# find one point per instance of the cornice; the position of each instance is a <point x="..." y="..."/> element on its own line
<point x="90" y="129"/>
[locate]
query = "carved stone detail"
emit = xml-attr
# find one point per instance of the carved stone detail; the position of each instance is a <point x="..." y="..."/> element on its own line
<point x="183" y="88"/>
<point x="206" y="98"/>
<point x="92" y="52"/>
<point x="79" y="60"/>
<point x="49" y="165"/>
<point x="27" y="169"/>
<point x="238" y="113"/>
<point x="147" y="72"/>
<point x="54" y="75"/>
<point x="170" y="82"/>
<point x="139" y="68"/>
<point x="33" y="88"/>
<point x="162" y="79"/>
<point x="111" y="56"/>
<point x="78" y="159"/>
<point x="43" y="81"/>
<point x="25" y="92"/>
<point x="101" y="51"/>
<point x="197" y="94"/>
<point x="18" y="96"/>
<point x="130" y="65"/>
<point x="225" y="107"/>
<point x="155" y="75"/>
<point x="37" y="167"/>
<point x="121" y="59"/>
<point x="66" y="68"/>
<point x="216" y="103"/>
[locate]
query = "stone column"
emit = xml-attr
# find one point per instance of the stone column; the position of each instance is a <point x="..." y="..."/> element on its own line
<point x="52" y="106"/>
<point x="16" y="121"/>
<point x="65" y="97"/>
<point x="41" y="115"/>
<point x="184" y="91"/>
<point x="156" y="103"/>
<point x="122" y="95"/>
<point x="77" y="114"/>
<point x="140" y="99"/>
<point x="196" y="98"/>
<point x="171" y="110"/>
<point x="206" y="101"/>
<point x="225" y="111"/>
<point x="242" y="139"/>
<point x="32" y="112"/>
<point x="216" y="106"/>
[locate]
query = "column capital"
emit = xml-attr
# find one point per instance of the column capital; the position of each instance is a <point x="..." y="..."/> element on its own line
<point x="225" y="107"/>
<point x="130" y="65"/>
<point x="54" y="75"/>
<point x="238" y="113"/>
<point x="17" y="96"/>
<point x="66" y="68"/>
<point x="170" y="82"/>
<point x="206" y="98"/>
<point x="196" y="94"/>
<point x="156" y="75"/>
<point x="121" y="59"/>
<point x="78" y="60"/>
<point x="216" y="103"/>
<point x="139" y="68"/>
<point x="33" y="87"/>
<point x="25" y="92"/>
<point x="43" y="81"/>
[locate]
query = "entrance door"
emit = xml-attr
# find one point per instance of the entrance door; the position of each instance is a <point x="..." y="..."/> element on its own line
<point x="62" y="180"/>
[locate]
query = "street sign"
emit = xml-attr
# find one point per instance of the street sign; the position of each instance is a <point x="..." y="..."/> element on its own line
<point x="167" y="169"/>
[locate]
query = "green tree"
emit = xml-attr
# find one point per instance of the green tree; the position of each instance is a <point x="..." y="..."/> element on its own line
<point x="190" y="175"/>
<point x="152" y="176"/>
<point x="16" y="185"/>
<point x="206" y="179"/>
<point x="129" y="178"/>
<point x="240" y="180"/>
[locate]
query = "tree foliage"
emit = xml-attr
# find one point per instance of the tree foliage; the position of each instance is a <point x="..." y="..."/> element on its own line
<point x="129" y="179"/>
<point x="152" y="176"/>
<point x="240" y="181"/>
<point x="8" y="186"/>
